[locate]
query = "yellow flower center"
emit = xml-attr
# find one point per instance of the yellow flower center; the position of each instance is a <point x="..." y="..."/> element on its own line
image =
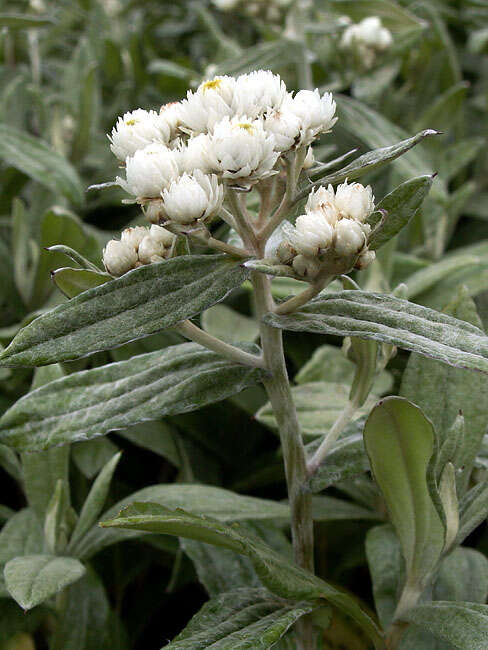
<point x="246" y="126"/>
<point x="212" y="85"/>
<point x="131" y="122"/>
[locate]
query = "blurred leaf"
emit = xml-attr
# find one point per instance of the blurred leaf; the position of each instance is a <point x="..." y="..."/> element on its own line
<point x="141" y="302"/>
<point x="226" y="324"/>
<point x="21" y="21"/>
<point x="91" y="403"/>
<point x="90" y="456"/>
<point x="32" y="579"/>
<point x="36" y="159"/>
<point x="326" y="508"/>
<point x="21" y="535"/>
<point x="158" y="437"/>
<point x="391" y="320"/>
<point x="462" y="574"/>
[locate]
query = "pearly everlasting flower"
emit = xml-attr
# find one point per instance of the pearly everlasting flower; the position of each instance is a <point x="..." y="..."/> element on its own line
<point x="162" y="236"/>
<point x="320" y="198"/>
<point x="149" y="171"/>
<point x="258" y="92"/>
<point x="136" y="130"/>
<point x="154" y="210"/>
<point x="170" y="114"/>
<point x="241" y="150"/>
<point x="365" y="258"/>
<point x="133" y="236"/>
<point x="284" y="125"/>
<point x="366" y="39"/>
<point x="192" y="197"/>
<point x="349" y="237"/>
<point x="354" y="201"/>
<point x="119" y="257"/>
<point x="204" y="108"/>
<point x="311" y="235"/>
<point x="305" y="266"/>
<point x="194" y="154"/>
<point x="316" y="113"/>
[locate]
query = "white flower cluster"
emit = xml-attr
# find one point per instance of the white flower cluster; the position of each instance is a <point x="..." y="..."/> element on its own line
<point x="137" y="246"/>
<point x="333" y="231"/>
<point x="271" y="11"/>
<point x="227" y="132"/>
<point x="366" y="40"/>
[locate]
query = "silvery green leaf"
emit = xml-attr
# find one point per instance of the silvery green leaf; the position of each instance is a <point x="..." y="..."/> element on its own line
<point x="38" y="160"/>
<point x="141" y="302"/>
<point x="207" y="500"/>
<point x="426" y="278"/>
<point x="32" y="579"/>
<point x="91" y="403"/>
<point x="462" y="624"/>
<point x="276" y="572"/>
<point x="71" y="282"/>
<point x="400" y="443"/>
<point x="90" y="456"/>
<point x="391" y="320"/>
<point x="386" y="566"/>
<point x="246" y="618"/>
<point x="400" y="206"/>
<point x="229" y="325"/>
<point x="463" y="575"/>
<point x="325" y="508"/>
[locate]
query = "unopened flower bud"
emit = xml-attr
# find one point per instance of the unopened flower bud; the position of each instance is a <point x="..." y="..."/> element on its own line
<point x="133" y="236"/>
<point x="365" y="259"/>
<point x="349" y="237"/>
<point x="149" y="171"/>
<point x="354" y="201"/>
<point x="162" y="236"/>
<point x="154" y="210"/>
<point x="309" y="161"/>
<point x="312" y="234"/>
<point x="193" y="196"/>
<point x="306" y="267"/>
<point x="119" y="257"/>
<point x="151" y="250"/>
<point x="285" y="252"/>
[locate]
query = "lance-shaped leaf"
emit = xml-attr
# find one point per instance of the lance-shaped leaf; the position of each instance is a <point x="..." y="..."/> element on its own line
<point x="251" y="619"/>
<point x="369" y="161"/>
<point x="400" y="206"/>
<point x="400" y="443"/>
<point x="462" y="624"/>
<point x="276" y="572"/>
<point x="32" y="579"/>
<point x="71" y="282"/>
<point x="91" y="403"/>
<point x="141" y="302"/>
<point x="391" y="320"/>
<point x="36" y="159"/>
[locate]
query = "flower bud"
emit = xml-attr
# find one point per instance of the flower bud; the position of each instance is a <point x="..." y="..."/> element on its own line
<point x="133" y="236"/>
<point x="306" y="267"/>
<point x="349" y="237"/>
<point x="149" y="171"/>
<point x="151" y="250"/>
<point x="154" y="210"/>
<point x="309" y="161"/>
<point x="312" y="234"/>
<point x="365" y="258"/>
<point x="119" y="257"/>
<point x="285" y="252"/>
<point x="136" y="130"/>
<point x="192" y="197"/>
<point x="354" y="201"/>
<point x="162" y="236"/>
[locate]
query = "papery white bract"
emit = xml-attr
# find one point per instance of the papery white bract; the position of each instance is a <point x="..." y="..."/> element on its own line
<point x="193" y="196"/>
<point x="194" y="154"/>
<point x="257" y="92"/>
<point x="213" y="100"/>
<point x="316" y="113"/>
<point x="284" y="125"/>
<point x="354" y="201"/>
<point x="133" y="236"/>
<point x="311" y="234"/>
<point x="149" y="171"/>
<point x="349" y="237"/>
<point x="137" y="129"/>
<point x="240" y="150"/>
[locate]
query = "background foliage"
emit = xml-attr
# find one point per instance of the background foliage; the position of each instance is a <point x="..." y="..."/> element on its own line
<point x="67" y="70"/>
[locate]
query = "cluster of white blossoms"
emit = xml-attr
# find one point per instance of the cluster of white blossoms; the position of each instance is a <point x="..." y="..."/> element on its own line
<point x="137" y="246"/>
<point x="271" y="11"/>
<point x="228" y="132"/>
<point x="366" y="40"/>
<point x="332" y="234"/>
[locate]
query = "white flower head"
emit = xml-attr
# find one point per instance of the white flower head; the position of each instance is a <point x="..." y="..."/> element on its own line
<point x="136" y="130"/>
<point x="349" y="237"/>
<point x="319" y="197"/>
<point x="194" y="154"/>
<point x="170" y="114"/>
<point x="317" y="114"/>
<point x="284" y="125"/>
<point x="133" y="236"/>
<point x="193" y="196"/>
<point x="371" y="32"/>
<point x="119" y="257"/>
<point x="365" y="258"/>
<point x="307" y="267"/>
<point x="161" y="235"/>
<point x="212" y="101"/>
<point x="311" y="235"/>
<point x="151" y="251"/>
<point x="258" y="92"/>
<point x="354" y="201"/>
<point x="241" y="150"/>
<point x="149" y="171"/>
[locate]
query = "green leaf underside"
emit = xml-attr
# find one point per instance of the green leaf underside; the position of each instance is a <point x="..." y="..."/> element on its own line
<point x="391" y="320"/>
<point x="36" y="159"/>
<point x="243" y="619"/>
<point x="399" y="441"/>
<point x="141" y="302"/>
<point x="462" y="624"/>
<point x="275" y="571"/>
<point x="32" y="579"/>
<point x="91" y="403"/>
<point x="209" y="501"/>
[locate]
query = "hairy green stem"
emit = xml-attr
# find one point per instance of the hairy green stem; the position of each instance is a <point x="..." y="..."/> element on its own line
<point x="278" y="388"/>
<point x="194" y="333"/>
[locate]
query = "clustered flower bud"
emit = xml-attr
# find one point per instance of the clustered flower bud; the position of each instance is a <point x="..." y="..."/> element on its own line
<point x="366" y="39"/>
<point x="332" y="234"/>
<point x="137" y="246"/>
